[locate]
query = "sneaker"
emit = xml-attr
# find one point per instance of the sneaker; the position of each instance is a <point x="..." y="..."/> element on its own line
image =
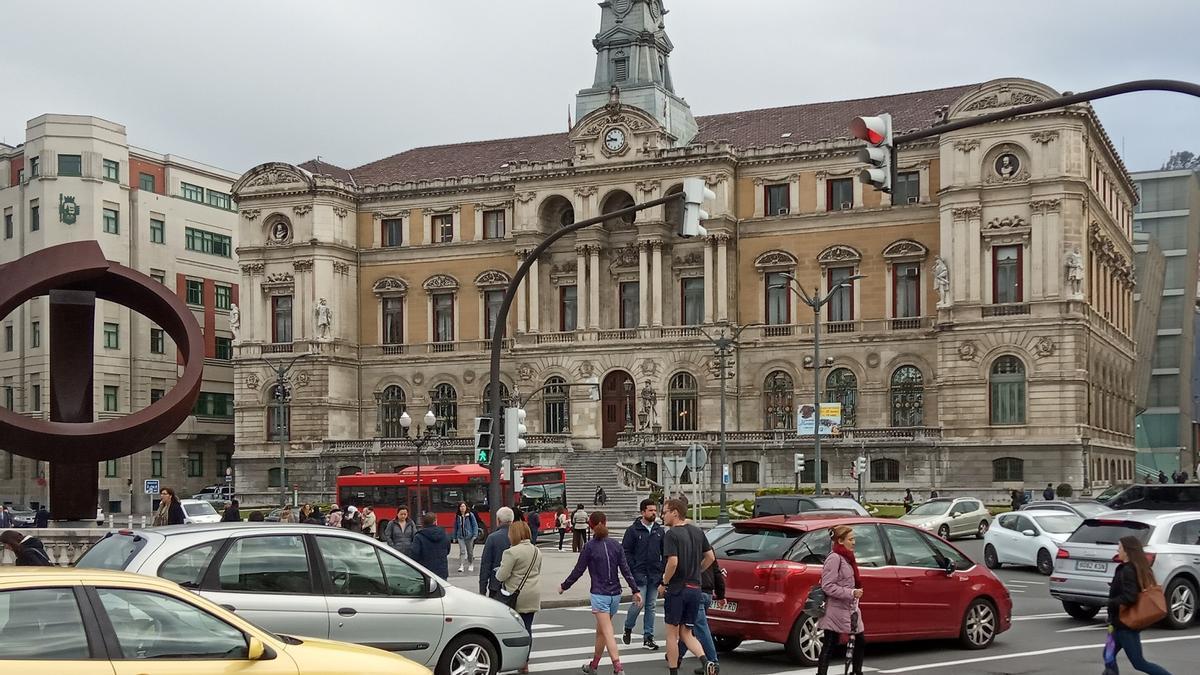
<point x="628" y="636"/>
<point x="712" y="668"/>
<point x="460" y="569"/>
<point x="470" y="568"/>
<point x="588" y="669"/>
<point x="648" y="643"/>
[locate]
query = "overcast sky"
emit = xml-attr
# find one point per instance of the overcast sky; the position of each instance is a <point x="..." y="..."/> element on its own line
<point x="237" y="83"/>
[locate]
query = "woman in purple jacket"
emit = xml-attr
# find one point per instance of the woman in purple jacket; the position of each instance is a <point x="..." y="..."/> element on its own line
<point x="843" y="587"/>
<point x="603" y="558"/>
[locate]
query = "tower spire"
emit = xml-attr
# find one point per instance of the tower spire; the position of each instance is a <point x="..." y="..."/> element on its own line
<point x="633" y="53"/>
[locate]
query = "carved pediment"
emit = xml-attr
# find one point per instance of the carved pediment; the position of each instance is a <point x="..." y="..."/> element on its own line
<point x="273" y="174"/>
<point x="905" y="248"/>
<point x="839" y="254"/>
<point x="775" y="258"/>
<point x="1000" y="94"/>
<point x="492" y="278"/>
<point x="440" y="282"/>
<point x="389" y="285"/>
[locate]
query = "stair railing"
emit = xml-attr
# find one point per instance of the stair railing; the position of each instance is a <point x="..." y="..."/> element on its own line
<point x="631" y="478"/>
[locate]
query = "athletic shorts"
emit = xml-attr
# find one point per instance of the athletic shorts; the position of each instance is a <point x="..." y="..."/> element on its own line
<point x="605" y="604"/>
<point x="681" y="608"/>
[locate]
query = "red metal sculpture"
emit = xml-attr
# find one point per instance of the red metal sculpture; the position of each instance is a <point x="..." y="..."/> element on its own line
<point x="74" y="275"/>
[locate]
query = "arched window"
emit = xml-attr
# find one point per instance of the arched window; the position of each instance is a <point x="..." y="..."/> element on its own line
<point x="556" y="212"/>
<point x="681" y="402"/>
<point x="556" y="407"/>
<point x="392" y="404"/>
<point x="779" y="411"/>
<point x="1008" y="469"/>
<point x="443" y="401"/>
<point x="615" y="201"/>
<point x="745" y="472"/>
<point x="885" y="470"/>
<point x="279" y="414"/>
<point x="487" y="400"/>
<point x="349" y="470"/>
<point x="842" y="387"/>
<point x="1007" y="391"/>
<point x="273" y="477"/>
<point x="907" y="394"/>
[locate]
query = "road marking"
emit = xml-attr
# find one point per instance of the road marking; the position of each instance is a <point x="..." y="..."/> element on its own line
<point x="1013" y="590"/>
<point x="1080" y="629"/>
<point x="589" y="649"/>
<point x="1018" y="655"/>
<point x="545" y="626"/>
<point x="1038" y="617"/>
<point x="565" y="633"/>
<point x="813" y="671"/>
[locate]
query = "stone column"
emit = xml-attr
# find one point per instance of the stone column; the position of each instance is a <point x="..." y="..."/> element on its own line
<point x="534" y="299"/>
<point x="722" y="278"/>
<point x="521" y="290"/>
<point x="708" y="280"/>
<point x="656" y="317"/>
<point x="581" y="287"/>
<point x="594" y="288"/>
<point x="643" y="283"/>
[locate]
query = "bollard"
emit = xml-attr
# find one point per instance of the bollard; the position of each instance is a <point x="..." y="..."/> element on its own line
<point x="143" y="522"/>
<point x="131" y="521"/>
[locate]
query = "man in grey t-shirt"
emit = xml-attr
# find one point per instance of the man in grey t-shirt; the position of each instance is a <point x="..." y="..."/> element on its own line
<point x="687" y="553"/>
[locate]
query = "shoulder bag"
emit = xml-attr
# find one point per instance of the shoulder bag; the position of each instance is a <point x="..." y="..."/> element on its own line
<point x="1150" y="608"/>
<point x="510" y="599"/>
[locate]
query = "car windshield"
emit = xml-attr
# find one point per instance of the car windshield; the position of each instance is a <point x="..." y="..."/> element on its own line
<point x="755" y="544"/>
<point x="113" y="552"/>
<point x="1111" y="492"/>
<point x="837" y="504"/>
<point x="934" y="508"/>
<point x="1058" y="523"/>
<point x="1109" y="532"/>
<point x="717" y="532"/>
<point x="200" y="509"/>
<point x="1090" y="509"/>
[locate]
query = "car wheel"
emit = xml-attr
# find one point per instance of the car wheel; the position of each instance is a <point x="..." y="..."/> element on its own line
<point x="804" y="642"/>
<point x="1045" y="563"/>
<point x="1081" y="612"/>
<point x="944" y="532"/>
<point x="979" y="625"/>
<point x="724" y="643"/>
<point x="983" y="527"/>
<point x="469" y="654"/>
<point x="990" y="558"/>
<point x="1181" y="603"/>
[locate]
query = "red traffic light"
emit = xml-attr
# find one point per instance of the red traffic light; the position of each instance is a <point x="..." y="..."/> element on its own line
<point x="873" y="130"/>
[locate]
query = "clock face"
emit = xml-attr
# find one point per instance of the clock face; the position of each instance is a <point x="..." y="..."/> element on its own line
<point x="614" y="139"/>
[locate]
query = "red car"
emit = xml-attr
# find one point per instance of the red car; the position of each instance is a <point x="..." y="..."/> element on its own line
<point x="916" y="586"/>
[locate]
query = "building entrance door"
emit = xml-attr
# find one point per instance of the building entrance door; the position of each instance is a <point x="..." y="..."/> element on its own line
<point x="617" y="396"/>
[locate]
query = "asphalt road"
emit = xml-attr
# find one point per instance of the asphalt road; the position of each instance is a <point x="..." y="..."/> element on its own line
<point x="1043" y="640"/>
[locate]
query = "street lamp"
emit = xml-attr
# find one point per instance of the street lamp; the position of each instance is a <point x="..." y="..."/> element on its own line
<point x="423" y="436"/>
<point x="724" y="347"/>
<point x="816" y="301"/>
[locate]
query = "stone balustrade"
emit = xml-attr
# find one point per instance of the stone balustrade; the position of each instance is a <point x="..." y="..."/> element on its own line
<point x="65" y="546"/>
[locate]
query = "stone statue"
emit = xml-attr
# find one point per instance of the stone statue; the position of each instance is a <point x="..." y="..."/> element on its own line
<point x="941" y="280"/>
<point x="1075" y="271"/>
<point x="324" y="315"/>
<point x="614" y="96"/>
<point x="235" y="320"/>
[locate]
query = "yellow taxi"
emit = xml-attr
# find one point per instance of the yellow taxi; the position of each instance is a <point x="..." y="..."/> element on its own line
<point x="97" y="622"/>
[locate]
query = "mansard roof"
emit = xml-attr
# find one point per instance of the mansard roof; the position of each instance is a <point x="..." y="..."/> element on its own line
<point x="752" y="128"/>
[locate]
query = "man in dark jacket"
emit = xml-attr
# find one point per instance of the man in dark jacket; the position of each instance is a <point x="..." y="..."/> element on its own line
<point x="493" y="548"/>
<point x="1048" y="493"/>
<point x="41" y="519"/>
<point x="431" y="547"/>
<point x="643" y="543"/>
<point x="232" y="513"/>
<point x="29" y="551"/>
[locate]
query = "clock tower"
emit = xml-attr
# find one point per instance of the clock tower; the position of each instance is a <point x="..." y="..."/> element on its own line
<point x="633" y="62"/>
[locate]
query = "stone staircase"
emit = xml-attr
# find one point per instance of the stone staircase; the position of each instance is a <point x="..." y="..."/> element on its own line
<point x="586" y="470"/>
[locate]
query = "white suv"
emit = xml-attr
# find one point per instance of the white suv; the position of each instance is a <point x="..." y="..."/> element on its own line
<point x="1086" y="562"/>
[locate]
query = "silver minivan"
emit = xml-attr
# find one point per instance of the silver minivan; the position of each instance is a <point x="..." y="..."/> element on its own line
<point x="1086" y="562"/>
<point x="323" y="582"/>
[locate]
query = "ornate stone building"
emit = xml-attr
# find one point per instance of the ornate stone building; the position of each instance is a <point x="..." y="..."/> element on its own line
<point x="987" y="347"/>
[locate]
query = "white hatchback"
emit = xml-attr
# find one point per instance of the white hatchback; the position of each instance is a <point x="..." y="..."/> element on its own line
<point x="1028" y="538"/>
<point x="198" y="511"/>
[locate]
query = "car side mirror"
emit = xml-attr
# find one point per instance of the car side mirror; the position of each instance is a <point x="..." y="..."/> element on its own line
<point x="948" y="566"/>
<point x="432" y="588"/>
<point x="1029" y="533"/>
<point x="257" y="651"/>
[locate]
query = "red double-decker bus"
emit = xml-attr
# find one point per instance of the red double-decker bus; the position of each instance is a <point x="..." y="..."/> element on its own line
<point x="442" y="487"/>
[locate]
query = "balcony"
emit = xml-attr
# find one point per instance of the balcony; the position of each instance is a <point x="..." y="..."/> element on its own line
<point x="391" y="350"/>
<point x="906" y="323"/>
<point x="422" y="348"/>
<point x="780" y="330"/>
<point x="553" y="338"/>
<point x="1006" y="309"/>
<point x="853" y="437"/>
<point x="618" y="334"/>
<point x="835" y="327"/>
<point x="441" y="347"/>
<point x="277" y="348"/>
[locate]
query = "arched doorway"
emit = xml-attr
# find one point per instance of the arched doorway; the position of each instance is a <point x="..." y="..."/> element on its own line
<point x="617" y="400"/>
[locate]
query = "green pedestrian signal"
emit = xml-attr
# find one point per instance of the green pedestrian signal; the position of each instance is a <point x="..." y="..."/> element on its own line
<point x="483" y="440"/>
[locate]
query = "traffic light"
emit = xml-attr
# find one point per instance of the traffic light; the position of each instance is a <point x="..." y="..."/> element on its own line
<point x="694" y="194"/>
<point x="483" y="440"/>
<point x="514" y="430"/>
<point x="879" y="153"/>
<point x="798" y="458"/>
<point x="518" y="482"/>
<point x="860" y="467"/>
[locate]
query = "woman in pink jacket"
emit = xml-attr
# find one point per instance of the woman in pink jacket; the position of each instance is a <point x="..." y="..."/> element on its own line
<point x="843" y="587"/>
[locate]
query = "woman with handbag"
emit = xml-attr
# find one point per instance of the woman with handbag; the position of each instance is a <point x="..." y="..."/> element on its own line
<point x="842" y="585"/>
<point x="520" y="574"/>
<point x="1135" y="602"/>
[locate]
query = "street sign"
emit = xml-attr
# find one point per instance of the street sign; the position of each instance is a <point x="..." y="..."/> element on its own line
<point x="831" y="419"/>
<point x="674" y="467"/>
<point x="696" y="457"/>
<point x="726" y="479"/>
<point x="151" y="486"/>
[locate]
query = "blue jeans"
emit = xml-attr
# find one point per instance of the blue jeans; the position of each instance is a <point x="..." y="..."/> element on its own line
<point x="649" y="591"/>
<point x="701" y="631"/>
<point x="1131" y="642"/>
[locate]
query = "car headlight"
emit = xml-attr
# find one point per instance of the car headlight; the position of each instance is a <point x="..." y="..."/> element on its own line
<point x="925" y="526"/>
<point x="516" y="617"/>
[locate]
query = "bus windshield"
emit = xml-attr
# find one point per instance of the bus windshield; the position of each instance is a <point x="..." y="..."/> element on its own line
<point x="543" y="498"/>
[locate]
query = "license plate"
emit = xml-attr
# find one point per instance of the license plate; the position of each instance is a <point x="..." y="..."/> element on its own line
<point x="724" y="606"/>
<point x="1091" y="566"/>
